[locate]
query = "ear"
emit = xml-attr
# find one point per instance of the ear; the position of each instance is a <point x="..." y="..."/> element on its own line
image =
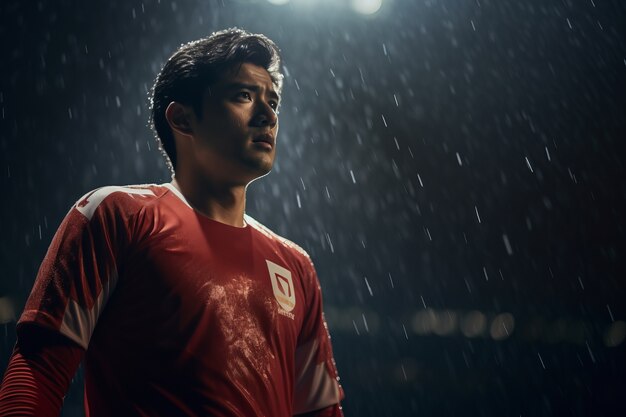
<point x="179" y="118"/>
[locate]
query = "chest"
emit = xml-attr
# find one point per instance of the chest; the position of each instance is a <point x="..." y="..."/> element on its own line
<point x="201" y="288"/>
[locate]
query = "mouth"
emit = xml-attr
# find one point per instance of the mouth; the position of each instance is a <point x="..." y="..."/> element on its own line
<point x="265" y="138"/>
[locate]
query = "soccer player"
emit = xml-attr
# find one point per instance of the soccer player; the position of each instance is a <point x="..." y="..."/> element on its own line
<point x="180" y="303"/>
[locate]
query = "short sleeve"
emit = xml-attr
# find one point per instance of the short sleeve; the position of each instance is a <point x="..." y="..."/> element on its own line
<point x="317" y="382"/>
<point x="80" y="270"/>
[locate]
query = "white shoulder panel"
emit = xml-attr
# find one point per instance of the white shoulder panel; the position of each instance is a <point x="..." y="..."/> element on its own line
<point x="270" y="234"/>
<point x="177" y="193"/>
<point x="88" y="203"/>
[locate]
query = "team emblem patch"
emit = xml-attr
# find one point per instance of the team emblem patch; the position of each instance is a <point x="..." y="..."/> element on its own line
<point x="282" y="285"/>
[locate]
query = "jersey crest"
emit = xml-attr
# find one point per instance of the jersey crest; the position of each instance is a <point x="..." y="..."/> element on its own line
<point x="282" y="284"/>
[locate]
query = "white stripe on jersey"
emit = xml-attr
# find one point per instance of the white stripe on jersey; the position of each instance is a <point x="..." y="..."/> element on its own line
<point x="78" y="322"/>
<point x="315" y="388"/>
<point x="88" y="203"/>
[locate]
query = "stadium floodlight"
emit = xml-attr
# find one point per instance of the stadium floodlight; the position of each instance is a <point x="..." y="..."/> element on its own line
<point x="366" y="6"/>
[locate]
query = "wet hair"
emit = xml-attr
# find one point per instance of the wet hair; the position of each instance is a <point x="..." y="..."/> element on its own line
<point x="198" y="64"/>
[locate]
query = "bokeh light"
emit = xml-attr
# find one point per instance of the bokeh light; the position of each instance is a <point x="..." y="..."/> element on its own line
<point x="502" y="326"/>
<point x="473" y="324"/>
<point x="615" y="334"/>
<point x="7" y="310"/>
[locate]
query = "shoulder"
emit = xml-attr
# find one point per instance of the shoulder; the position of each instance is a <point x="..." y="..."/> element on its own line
<point x="285" y="245"/>
<point x="127" y="199"/>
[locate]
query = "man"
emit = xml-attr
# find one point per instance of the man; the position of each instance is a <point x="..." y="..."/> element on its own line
<point x="180" y="303"/>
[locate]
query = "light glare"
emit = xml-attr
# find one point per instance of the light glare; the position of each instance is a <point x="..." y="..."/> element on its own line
<point x="366" y="6"/>
<point x="278" y="2"/>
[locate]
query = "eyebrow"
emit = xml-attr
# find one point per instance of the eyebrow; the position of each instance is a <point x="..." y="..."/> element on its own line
<point x="252" y="87"/>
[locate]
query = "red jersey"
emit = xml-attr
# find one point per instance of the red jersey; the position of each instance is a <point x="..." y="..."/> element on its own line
<point x="183" y="315"/>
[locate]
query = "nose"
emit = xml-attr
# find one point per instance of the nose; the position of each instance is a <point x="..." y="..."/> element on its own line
<point x="265" y="116"/>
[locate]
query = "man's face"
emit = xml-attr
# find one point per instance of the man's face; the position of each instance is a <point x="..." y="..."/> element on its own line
<point x="235" y="140"/>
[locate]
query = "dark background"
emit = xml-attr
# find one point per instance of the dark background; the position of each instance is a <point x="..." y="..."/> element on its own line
<point x="454" y="168"/>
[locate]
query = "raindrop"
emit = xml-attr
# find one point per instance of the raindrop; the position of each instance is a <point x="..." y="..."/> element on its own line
<point x="593" y="358"/>
<point x="610" y="312"/>
<point x="541" y="361"/>
<point x="330" y="243"/>
<point x="368" y="286"/>
<point x="356" y="329"/>
<point x="528" y="164"/>
<point x="507" y="244"/>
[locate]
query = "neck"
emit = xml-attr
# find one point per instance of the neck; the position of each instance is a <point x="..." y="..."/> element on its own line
<point x="223" y="203"/>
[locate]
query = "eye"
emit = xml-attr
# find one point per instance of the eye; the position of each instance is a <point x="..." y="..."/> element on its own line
<point x="244" y="95"/>
<point x="274" y="105"/>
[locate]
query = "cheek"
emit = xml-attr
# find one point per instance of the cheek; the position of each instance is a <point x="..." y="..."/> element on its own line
<point x="225" y="121"/>
<point x="241" y="117"/>
<point x="236" y="119"/>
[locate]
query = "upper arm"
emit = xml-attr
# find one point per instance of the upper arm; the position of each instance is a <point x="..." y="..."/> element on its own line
<point x="80" y="270"/>
<point x="317" y="383"/>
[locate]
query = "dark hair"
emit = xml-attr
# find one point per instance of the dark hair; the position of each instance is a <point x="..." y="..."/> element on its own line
<point x="198" y="64"/>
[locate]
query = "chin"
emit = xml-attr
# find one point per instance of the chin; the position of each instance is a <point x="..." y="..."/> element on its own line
<point x="264" y="171"/>
<point x="259" y="170"/>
